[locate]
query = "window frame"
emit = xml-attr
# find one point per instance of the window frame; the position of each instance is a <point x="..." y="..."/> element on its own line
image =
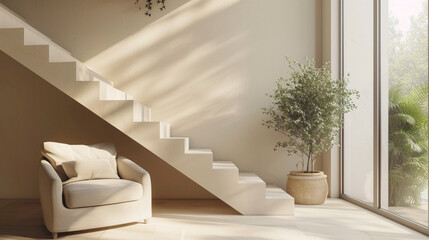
<point x="376" y="205"/>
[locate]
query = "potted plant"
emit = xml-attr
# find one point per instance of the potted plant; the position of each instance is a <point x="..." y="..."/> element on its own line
<point x="308" y="108"/>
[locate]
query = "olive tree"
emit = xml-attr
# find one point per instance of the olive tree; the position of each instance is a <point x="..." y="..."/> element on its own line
<point x="308" y="107"/>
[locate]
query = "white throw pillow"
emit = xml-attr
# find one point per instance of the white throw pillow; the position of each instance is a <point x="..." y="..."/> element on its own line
<point x="88" y="169"/>
<point x="82" y="162"/>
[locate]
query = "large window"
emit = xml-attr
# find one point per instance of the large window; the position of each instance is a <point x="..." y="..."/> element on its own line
<point x="385" y="142"/>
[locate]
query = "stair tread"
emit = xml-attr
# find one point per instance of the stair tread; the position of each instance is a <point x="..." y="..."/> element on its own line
<point x="199" y="151"/>
<point x="248" y="177"/>
<point x="224" y="165"/>
<point x="274" y="192"/>
<point x="11" y="29"/>
<point x="121" y="101"/>
<point x="177" y="138"/>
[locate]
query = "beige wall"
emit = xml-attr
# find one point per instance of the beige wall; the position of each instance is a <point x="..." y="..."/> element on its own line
<point x="33" y="111"/>
<point x="202" y="65"/>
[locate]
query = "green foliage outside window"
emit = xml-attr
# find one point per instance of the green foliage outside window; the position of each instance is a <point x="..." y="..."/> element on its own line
<point x="408" y="141"/>
<point x="408" y="110"/>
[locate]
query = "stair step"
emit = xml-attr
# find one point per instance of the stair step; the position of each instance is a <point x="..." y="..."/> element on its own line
<point x="274" y="192"/>
<point x="218" y="165"/>
<point x="185" y="141"/>
<point x="180" y="138"/>
<point x="108" y="92"/>
<point x="199" y="151"/>
<point x="116" y="111"/>
<point x="40" y="52"/>
<point x="248" y="177"/>
<point x="202" y="156"/>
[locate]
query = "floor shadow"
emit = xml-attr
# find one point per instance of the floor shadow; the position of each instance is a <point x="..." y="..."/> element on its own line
<point x="22" y="218"/>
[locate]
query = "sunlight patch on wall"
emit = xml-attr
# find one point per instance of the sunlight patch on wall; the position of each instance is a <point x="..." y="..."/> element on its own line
<point x="171" y="68"/>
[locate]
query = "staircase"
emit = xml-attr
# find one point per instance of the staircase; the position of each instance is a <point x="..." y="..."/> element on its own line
<point x="243" y="191"/>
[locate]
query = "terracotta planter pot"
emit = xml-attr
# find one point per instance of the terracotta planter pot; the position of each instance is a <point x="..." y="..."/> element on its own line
<point x="307" y="188"/>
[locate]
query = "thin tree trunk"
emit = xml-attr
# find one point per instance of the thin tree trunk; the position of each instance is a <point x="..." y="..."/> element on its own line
<point x="308" y="163"/>
<point x="309" y="160"/>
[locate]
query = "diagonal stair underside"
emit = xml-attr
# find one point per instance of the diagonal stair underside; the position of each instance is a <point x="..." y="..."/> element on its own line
<point x="245" y="192"/>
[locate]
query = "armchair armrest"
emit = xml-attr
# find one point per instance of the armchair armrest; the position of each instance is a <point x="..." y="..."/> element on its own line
<point x="129" y="170"/>
<point x="50" y="190"/>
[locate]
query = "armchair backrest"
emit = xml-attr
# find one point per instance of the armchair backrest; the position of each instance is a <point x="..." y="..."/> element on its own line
<point x="57" y="153"/>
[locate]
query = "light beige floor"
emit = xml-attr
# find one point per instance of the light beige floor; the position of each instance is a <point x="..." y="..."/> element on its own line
<point x="213" y="220"/>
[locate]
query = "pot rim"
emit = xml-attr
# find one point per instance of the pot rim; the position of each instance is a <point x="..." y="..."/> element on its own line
<point x="302" y="173"/>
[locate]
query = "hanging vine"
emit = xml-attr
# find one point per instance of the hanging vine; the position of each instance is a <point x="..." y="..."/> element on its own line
<point x="149" y="5"/>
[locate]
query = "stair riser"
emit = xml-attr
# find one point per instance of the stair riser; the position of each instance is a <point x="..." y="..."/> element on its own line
<point x="38" y="53"/>
<point x="252" y="202"/>
<point x="200" y="157"/>
<point x="222" y="181"/>
<point x="107" y="92"/>
<point x="165" y="130"/>
<point x="278" y="207"/>
<point x="175" y="145"/>
<point x="147" y="134"/>
<point x="225" y="174"/>
<point x="83" y="73"/>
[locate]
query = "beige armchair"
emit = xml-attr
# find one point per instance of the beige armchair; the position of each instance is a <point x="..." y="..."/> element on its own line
<point x="94" y="203"/>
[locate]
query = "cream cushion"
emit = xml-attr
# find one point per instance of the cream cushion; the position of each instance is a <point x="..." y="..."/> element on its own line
<point x="101" y="192"/>
<point x="82" y="162"/>
<point x="88" y="169"/>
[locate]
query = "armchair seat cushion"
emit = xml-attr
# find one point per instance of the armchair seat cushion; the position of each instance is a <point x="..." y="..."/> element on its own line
<point x="99" y="192"/>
